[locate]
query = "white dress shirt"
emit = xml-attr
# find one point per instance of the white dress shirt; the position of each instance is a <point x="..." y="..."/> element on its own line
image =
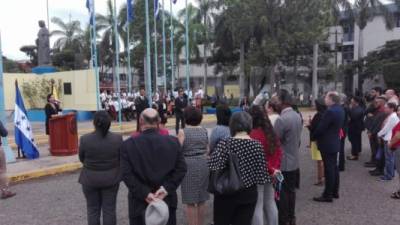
<point x="386" y="132"/>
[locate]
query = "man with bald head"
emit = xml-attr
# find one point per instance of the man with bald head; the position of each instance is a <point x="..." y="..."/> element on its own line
<point x="392" y="96"/>
<point x="153" y="167"/>
<point x="327" y="135"/>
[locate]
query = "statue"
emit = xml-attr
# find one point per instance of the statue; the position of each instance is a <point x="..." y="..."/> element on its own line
<point x="43" y="45"/>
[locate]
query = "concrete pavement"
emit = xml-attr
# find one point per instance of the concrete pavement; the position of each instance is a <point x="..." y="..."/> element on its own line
<point x="58" y="200"/>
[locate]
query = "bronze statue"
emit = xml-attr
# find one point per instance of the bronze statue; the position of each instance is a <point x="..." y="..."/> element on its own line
<point x="43" y="45"/>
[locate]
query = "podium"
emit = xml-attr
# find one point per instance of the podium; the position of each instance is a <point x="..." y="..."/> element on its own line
<point x="63" y="135"/>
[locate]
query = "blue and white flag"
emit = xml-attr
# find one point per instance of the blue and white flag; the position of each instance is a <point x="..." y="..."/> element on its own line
<point x="131" y="15"/>
<point x="90" y="7"/>
<point x="156" y="8"/>
<point x="23" y="130"/>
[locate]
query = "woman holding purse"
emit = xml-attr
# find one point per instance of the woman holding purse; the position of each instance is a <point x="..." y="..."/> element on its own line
<point x="237" y="208"/>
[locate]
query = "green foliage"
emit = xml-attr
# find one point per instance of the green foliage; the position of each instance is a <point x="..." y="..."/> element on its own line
<point x="376" y="60"/>
<point x="36" y="91"/>
<point x="10" y="66"/>
<point x="391" y="74"/>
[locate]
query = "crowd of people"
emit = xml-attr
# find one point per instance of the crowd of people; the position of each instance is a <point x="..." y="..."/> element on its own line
<point x="249" y="162"/>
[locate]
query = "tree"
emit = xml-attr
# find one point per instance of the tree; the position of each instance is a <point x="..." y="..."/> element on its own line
<point x="196" y="31"/>
<point x="205" y="12"/>
<point x="70" y="35"/>
<point x="108" y="42"/>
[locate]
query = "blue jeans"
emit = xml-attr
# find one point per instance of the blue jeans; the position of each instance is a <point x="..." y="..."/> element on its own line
<point x="389" y="162"/>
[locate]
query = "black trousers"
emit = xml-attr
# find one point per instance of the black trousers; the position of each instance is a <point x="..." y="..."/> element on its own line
<point x="373" y="142"/>
<point x="237" y="209"/>
<point x="342" y="159"/>
<point x="355" y="140"/>
<point x="332" y="178"/>
<point x="101" y="201"/>
<point x="287" y="202"/>
<point x="140" y="220"/>
<point x="179" y="120"/>
<point x="137" y="121"/>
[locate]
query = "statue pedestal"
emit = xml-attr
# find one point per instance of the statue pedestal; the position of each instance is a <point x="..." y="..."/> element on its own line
<point x="44" y="69"/>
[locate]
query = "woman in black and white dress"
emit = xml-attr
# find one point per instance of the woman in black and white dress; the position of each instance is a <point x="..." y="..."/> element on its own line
<point x="238" y="208"/>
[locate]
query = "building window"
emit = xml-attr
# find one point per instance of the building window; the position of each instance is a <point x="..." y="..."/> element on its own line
<point x="348" y="33"/>
<point x="348" y="54"/>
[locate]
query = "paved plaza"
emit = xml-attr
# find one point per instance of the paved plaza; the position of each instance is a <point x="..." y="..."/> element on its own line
<point x="58" y="200"/>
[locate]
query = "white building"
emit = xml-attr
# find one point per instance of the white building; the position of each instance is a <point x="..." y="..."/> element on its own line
<point x="375" y="35"/>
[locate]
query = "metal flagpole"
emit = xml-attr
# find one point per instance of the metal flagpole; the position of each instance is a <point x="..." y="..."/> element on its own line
<point x="155" y="48"/>
<point x="48" y="21"/>
<point x="6" y="148"/>
<point x="187" y="48"/>
<point x="129" y="54"/>
<point x="164" y="59"/>
<point x="148" y="77"/>
<point x="172" y="48"/>
<point x="117" y="64"/>
<point x="94" y="57"/>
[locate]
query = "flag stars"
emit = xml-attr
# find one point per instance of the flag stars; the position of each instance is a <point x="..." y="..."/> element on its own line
<point x="18" y="123"/>
<point x="28" y="129"/>
<point x="23" y="117"/>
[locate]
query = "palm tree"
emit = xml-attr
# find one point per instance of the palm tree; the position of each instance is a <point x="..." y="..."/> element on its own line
<point x="70" y="35"/>
<point x="364" y="12"/>
<point x="106" y="25"/>
<point x="205" y="9"/>
<point x="196" y="30"/>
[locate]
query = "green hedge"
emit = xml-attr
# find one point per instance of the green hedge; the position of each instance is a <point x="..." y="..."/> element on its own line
<point x="391" y="74"/>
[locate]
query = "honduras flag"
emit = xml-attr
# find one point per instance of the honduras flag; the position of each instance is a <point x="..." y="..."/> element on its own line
<point x="129" y="6"/>
<point x="156" y="9"/>
<point x="23" y="130"/>
<point x="90" y="7"/>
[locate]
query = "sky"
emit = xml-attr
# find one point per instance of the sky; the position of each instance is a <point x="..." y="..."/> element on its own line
<point x="19" y="19"/>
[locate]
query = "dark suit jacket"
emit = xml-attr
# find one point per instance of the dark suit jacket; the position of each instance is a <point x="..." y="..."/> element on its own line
<point x="356" y="122"/>
<point x="141" y="104"/>
<point x="49" y="111"/>
<point x="101" y="159"/>
<point x="314" y="124"/>
<point x="327" y="132"/>
<point x="148" y="162"/>
<point x="180" y="105"/>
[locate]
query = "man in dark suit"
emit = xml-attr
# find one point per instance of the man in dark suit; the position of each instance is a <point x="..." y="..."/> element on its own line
<point x="356" y="126"/>
<point x="153" y="167"/>
<point x="328" y="141"/>
<point x="181" y="102"/>
<point x="141" y="103"/>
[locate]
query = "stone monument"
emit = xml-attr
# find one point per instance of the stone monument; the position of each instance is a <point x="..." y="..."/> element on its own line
<point x="43" y="45"/>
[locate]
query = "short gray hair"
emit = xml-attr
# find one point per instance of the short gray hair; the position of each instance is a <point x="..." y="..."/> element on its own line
<point x="240" y="122"/>
<point x="334" y="96"/>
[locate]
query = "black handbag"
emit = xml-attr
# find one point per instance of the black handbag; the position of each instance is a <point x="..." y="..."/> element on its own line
<point x="228" y="180"/>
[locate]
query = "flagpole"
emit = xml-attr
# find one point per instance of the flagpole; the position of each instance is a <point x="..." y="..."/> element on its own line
<point x="155" y="47"/>
<point x="164" y="50"/>
<point x="172" y="47"/>
<point x="94" y="57"/>
<point x="187" y="48"/>
<point x="48" y="21"/>
<point x="129" y="53"/>
<point x="148" y="77"/>
<point x="6" y="148"/>
<point x="117" y="64"/>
